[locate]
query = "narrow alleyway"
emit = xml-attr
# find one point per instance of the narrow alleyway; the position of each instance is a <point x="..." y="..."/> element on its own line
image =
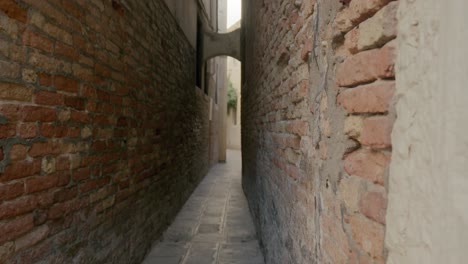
<point x="214" y="226"/>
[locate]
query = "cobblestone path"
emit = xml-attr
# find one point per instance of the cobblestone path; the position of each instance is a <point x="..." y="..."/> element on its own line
<point x="214" y="226"/>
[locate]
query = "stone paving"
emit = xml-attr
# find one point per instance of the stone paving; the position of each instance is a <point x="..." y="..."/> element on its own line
<point x="214" y="226"/>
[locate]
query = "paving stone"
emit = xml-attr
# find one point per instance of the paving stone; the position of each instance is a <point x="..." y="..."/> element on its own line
<point x="202" y="253"/>
<point x="214" y="226"/>
<point x="209" y="229"/>
<point x="169" y="249"/>
<point x="162" y="260"/>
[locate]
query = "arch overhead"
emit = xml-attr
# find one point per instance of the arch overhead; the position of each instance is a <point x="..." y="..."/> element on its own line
<point x="216" y="44"/>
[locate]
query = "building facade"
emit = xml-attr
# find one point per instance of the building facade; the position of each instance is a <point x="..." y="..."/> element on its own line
<point x="108" y="122"/>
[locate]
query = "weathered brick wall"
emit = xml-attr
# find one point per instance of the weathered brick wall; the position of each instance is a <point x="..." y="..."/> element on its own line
<point x="103" y="134"/>
<point x="317" y="117"/>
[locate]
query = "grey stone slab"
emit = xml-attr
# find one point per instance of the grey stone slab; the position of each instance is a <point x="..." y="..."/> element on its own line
<point x="214" y="226"/>
<point x="241" y="253"/>
<point x="162" y="260"/>
<point x="169" y="249"/>
<point x="209" y="228"/>
<point x="211" y="220"/>
<point x="208" y="237"/>
<point x="202" y="253"/>
<point x="179" y="233"/>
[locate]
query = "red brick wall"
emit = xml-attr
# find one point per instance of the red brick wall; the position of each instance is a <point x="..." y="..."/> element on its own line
<point x="317" y="116"/>
<point x="103" y="134"/>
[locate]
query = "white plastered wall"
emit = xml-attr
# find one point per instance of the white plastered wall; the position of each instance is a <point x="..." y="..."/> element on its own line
<point x="427" y="217"/>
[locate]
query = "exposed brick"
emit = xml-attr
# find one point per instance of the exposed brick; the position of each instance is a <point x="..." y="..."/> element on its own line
<point x="43" y="62"/>
<point x="66" y="84"/>
<point x="374" y="206"/>
<point x="72" y="8"/>
<point x="376" y="132"/>
<point x="74" y="59"/>
<point x="48" y="164"/>
<point x="45" y="79"/>
<point x="367" y="66"/>
<point x="370" y="98"/>
<point x="351" y="41"/>
<point x="7" y="130"/>
<point x="48" y="98"/>
<point x="37" y="19"/>
<point x="6" y="251"/>
<point x="29" y="76"/>
<point x="36" y="40"/>
<point x="64" y="178"/>
<point x="60" y="210"/>
<point x="58" y="33"/>
<point x="11" y="190"/>
<point x="17" y="207"/>
<point x="358" y="11"/>
<point x="349" y="190"/>
<point x="102" y="70"/>
<point x="13" y="10"/>
<point x="44" y="148"/>
<point x="19" y="170"/>
<point x="75" y="102"/>
<point x="10" y="70"/>
<point x="47" y="130"/>
<point x="38" y="113"/>
<point x="10" y="111"/>
<point x="16" y="227"/>
<point x="64" y="115"/>
<point x="15" y="92"/>
<point x="369" y="236"/>
<point x="370" y="165"/>
<point x="63" y="163"/>
<point x="79" y="117"/>
<point x="81" y="174"/>
<point x="32" y="238"/>
<point x="66" y="194"/>
<point x="378" y="29"/>
<point x="18" y="152"/>
<point x="41" y="183"/>
<point x="66" y="50"/>
<point x="353" y="126"/>
<point x="298" y="127"/>
<point x="27" y="130"/>
<point x="93" y="184"/>
<point x="18" y="53"/>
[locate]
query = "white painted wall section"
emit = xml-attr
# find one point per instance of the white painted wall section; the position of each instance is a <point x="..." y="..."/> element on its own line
<point x="427" y="218"/>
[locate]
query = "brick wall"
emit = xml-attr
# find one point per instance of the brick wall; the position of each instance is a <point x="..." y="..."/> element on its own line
<point x="103" y="134"/>
<point x="317" y="115"/>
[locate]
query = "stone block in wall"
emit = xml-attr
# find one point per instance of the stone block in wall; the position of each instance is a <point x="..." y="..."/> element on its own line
<point x="349" y="190"/>
<point x="356" y="12"/>
<point x="369" y="98"/>
<point x="351" y="41"/>
<point x="376" y="132"/>
<point x="353" y="126"/>
<point x="379" y="29"/>
<point x="373" y="205"/>
<point x="368" y="164"/>
<point x="367" y="66"/>
<point x="16" y="92"/>
<point x="369" y="236"/>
